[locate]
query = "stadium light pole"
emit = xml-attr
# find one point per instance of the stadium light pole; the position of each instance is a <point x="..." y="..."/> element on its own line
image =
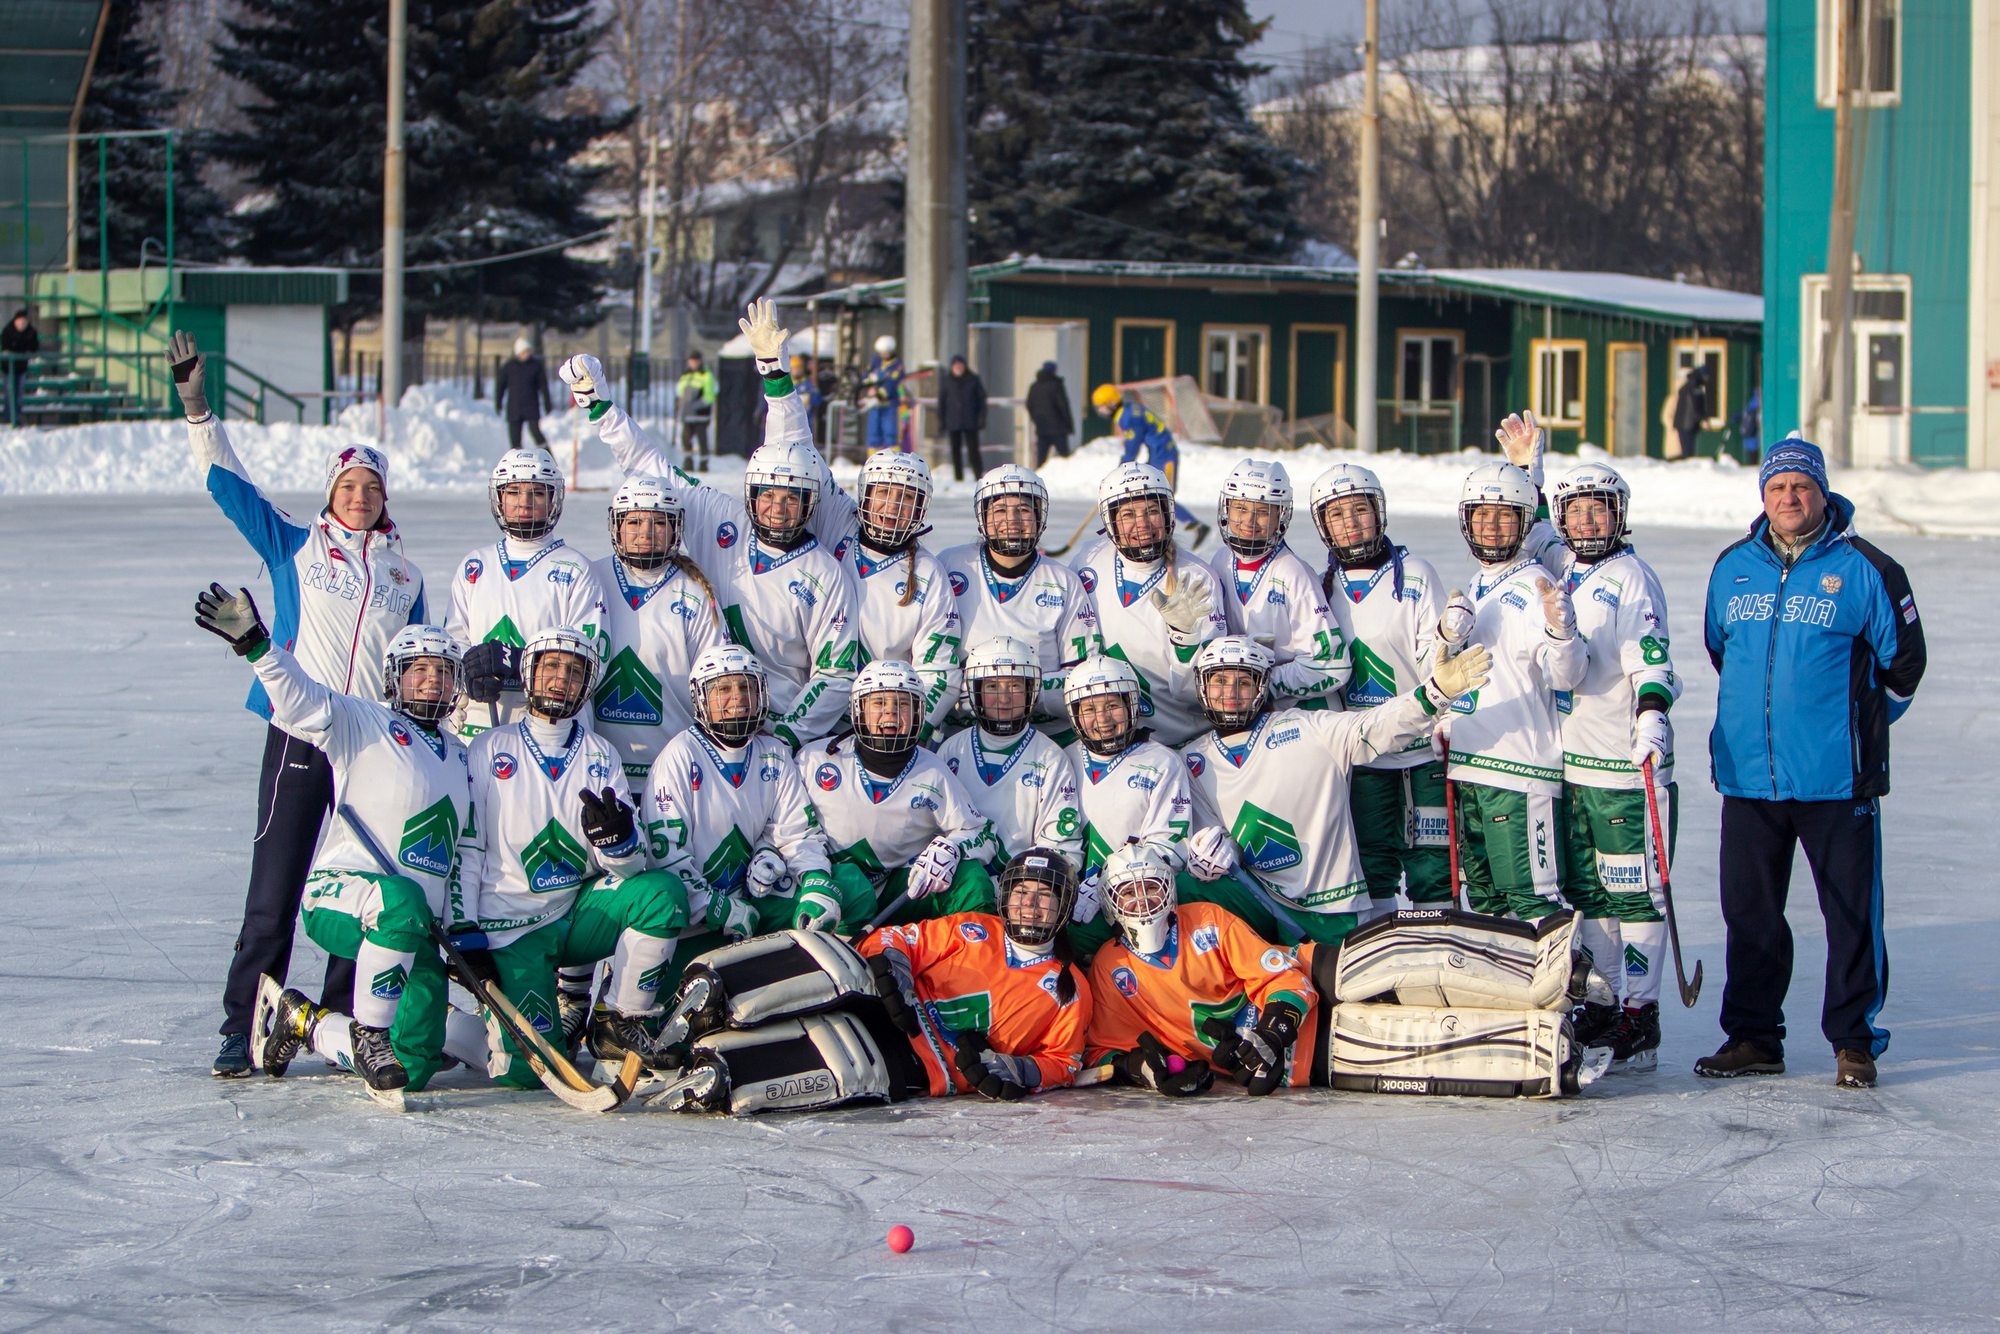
<point x="392" y="215"/>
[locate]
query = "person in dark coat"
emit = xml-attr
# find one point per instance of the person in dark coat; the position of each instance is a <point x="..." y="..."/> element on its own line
<point x="19" y="340"/>
<point x="962" y="414"/>
<point x="1049" y="413"/>
<point x="523" y="394"/>
<point x="1691" y="409"/>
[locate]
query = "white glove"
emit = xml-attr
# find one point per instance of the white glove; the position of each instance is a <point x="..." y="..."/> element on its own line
<point x="583" y="374"/>
<point x="731" y="916"/>
<point x="767" y="340"/>
<point x="1652" y="738"/>
<point x="1524" y="442"/>
<point x="1558" y="611"/>
<point x="932" y="871"/>
<point x="1441" y="738"/>
<point x="765" y="874"/>
<point x="1458" y="676"/>
<point x="1185" y="611"/>
<point x="1211" y="853"/>
<point x="1455" y="624"/>
<point x="1089" y="897"/>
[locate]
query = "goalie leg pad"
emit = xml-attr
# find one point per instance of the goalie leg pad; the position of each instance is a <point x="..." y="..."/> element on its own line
<point x="1462" y="1051"/>
<point x="782" y="975"/>
<point x="1444" y="957"/>
<point x="796" y="1065"/>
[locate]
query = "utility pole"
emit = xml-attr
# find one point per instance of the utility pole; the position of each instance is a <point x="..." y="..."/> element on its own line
<point x="934" y="307"/>
<point x="1835" y="391"/>
<point x="392" y="214"/>
<point x="1368" y="237"/>
<point x="646" y="260"/>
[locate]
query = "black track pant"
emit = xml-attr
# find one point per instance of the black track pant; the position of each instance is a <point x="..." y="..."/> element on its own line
<point x="294" y="794"/>
<point x="1843" y="846"/>
<point x="534" y="425"/>
<point x="965" y="450"/>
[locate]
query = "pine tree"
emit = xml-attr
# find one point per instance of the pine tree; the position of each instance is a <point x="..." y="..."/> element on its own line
<point x="487" y="170"/>
<point x="1120" y="129"/>
<point x="126" y="94"/>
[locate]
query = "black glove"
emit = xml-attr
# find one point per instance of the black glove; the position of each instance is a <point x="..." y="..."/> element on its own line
<point x="1262" y="1050"/>
<point x="478" y="959"/>
<point x="891" y="969"/>
<point x="992" y="1074"/>
<point x="607" y="821"/>
<point x="1224" y="1046"/>
<point x="1147" y="1067"/>
<point x="491" y="668"/>
<point x="233" y="617"/>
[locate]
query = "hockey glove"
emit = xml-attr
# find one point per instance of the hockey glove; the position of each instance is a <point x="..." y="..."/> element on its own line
<point x="1211" y="853"/>
<point x="1523" y="441"/>
<point x="767" y="340"/>
<point x="1147" y="1067"/>
<point x="994" y="1074"/>
<point x="232" y="617"/>
<point x="491" y="668"/>
<point x="1225" y="1045"/>
<point x="1455" y="625"/>
<point x="1558" y="611"/>
<point x="765" y="875"/>
<point x="932" y="871"/>
<point x="583" y="374"/>
<point x="1458" y="676"/>
<point x="730" y="916"/>
<point x="817" y="910"/>
<point x="1262" y="1050"/>
<point x="1089" y="897"/>
<point x="893" y="983"/>
<point x="184" y="362"/>
<point x="607" y="822"/>
<point x="472" y="947"/>
<point x="1652" y="738"/>
<point x="1185" y="611"/>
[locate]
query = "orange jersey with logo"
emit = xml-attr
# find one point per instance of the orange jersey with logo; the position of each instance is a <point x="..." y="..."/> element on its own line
<point x="1213" y="966"/>
<point x="969" y="977"/>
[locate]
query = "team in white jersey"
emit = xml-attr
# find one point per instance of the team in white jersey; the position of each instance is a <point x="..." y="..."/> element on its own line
<point x="1012" y="773"/>
<point x="1269" y="594"/>
<point x="907" y="608"/>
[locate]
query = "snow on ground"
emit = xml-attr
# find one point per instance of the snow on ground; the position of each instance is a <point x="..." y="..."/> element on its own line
<point x="136" y="1191"/>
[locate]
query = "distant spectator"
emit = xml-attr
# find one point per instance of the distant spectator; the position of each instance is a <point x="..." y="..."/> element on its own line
<point x="19" y="341"/>
<point x="1692" y="406"/>
<point x="522" y="394"/>
<point x="962" y="413"/>
<point x="694" y="404"/>
<point x="1049" y="413"/>
<point x="1750" y="425"/>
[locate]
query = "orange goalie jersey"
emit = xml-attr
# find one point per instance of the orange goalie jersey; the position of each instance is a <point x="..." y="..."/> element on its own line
<point x="969" y="976"/>
<point x="1214" y="966"/>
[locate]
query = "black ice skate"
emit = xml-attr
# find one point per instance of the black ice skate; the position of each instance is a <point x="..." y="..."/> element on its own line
<point x="375" y="1060"/>
<point x="703" y="1087"/>
<point x="281" y="1026"/>
<point x="1635" y="1040"/>
<point x="613" y="1034"/>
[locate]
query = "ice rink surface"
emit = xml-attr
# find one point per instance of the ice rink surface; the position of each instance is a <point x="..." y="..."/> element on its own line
<point x="142" y="1193"/>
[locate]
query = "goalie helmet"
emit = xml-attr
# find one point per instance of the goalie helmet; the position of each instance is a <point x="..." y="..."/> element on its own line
<point x="1047" y="870"/>
<point x="1011" y="479"/>
<point x="1139" y="889"/>
<point x="566" y="639"/>
<point x="1234" y="653"/>
<point x="899" y="519"/>
<point x="645" y="495"/>
<point x="1338" y="483"/>
<point x="714" y="666"/>
<point x="1130" y="482"/>
<point x="892" y="741"/>
<point x="534" y="467"/>
<point x="1098" y="675"/>
<point x="783" y="467"/>
<point x="1496" y="484"/>
<point x="1594" y="481"/>
<point x="412" y="644"/>
<point x="1258" y="482"/>
<point x="1002" y="658"/>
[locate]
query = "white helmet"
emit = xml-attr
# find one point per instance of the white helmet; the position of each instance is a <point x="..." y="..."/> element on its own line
<point x="645" y="495"/>
<point x="1100" y="674"/>
<point x="1011" y="479"/>
<point x="1242" y="653"/>
<point x="1002" y="658"/>
<point x="885" y="347"/>
<point x="411" y="643"/>
<point x="1260" y="482"/>
<point x="1136" y="481"/>
<point x="1338" y="483"/>
<point x="891" y="675"/>
<point x="1496" y="484"/>
<point x="891" y="467"/>
<point x="789" y="467"/>
<point x="717" y="664"/>
<point x="563" y="639"/>
<point x="343" y="457"/>
<point x="527" y="465"/>
<point x="1600" y="482"/>
<point x="1139" y="890"/>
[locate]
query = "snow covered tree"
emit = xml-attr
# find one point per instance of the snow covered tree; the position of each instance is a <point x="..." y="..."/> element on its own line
<point x="1119" y="129"/>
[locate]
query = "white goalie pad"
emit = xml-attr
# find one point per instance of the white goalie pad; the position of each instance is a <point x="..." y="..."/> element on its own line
<point x="1461" y="1051"/>
<point x="796" y="1065"/>
<point x="1441" y="956"/>
<point x="783" y="975"/>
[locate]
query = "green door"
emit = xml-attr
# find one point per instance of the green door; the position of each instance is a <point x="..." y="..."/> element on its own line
<point x="1142" y="352"/>
<point x="1316" y="372"/>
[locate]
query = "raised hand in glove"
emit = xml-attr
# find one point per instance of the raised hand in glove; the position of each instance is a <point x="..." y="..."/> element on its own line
<point x="608" y="823"/>
<point x="1185" y="611"/>
<point x="584" y="374"/>
<point x="233" y="616"/>
<point x="184" y="362"/>
<point x="765" y="875"/>
<point x="767" y="340"/>
<point x="1652" y="738"/>
<point x="1524" y="442"/>
<point x="994" y="1074"/>
<point x="933" y="870"/>
<point x="894" y="984"/>
<point x="1458" y="676"/>
<point x="1211" y="853"/>
<point x="490" y="668"/>
<point x="1262" y="1050"/>
<point x="1147" y="1067"/>
<point x="1455" y="623"/>
<point x="1557" y="610"/>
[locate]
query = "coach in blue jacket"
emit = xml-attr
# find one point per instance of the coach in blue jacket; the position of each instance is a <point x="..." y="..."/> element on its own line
<point x="1816" y="636"/>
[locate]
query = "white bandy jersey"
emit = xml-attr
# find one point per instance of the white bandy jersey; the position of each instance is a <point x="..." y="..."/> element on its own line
<point x="927" y="633"/>
<point x="707" y="809"/>
<point x="652" y="635"/>
<point x="1142" y="793"/>
<point x="1277" y="602"/>
<point x="1281" y="793"/>
<point x="406" y="785"/>
<point x="1169" y="695"/>
<point x="1024" y="785"/>
<point x="511" y="591"/>
<point x="1390" y="617"/>
<point x="787" y="421"/>
<point x="1506" y="733"/>
<point x="881" y="825"/>
<point x="1621" y="613"/>
<point x="1046" y="605"/>
<point x="526" y="857"/>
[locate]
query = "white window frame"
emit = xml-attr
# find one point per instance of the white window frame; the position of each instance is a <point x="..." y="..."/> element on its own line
<point x="1548" y="352"/>
<point x="1813" y="328"/>
<point x="1828" y="64"/>
<point x="1429" y="338"/>
<point x="1682" y="356"/>
<point x="1235" y="333"/>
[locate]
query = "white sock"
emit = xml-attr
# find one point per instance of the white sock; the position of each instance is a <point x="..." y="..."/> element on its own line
<point x="1599" y="937"/>
<point x="331" y="1039"/>
<point x="380" y="974"/>
<point x="635" y="973"/>
<point x="465" y="1039"/>
<point x="1646" y="951"/>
